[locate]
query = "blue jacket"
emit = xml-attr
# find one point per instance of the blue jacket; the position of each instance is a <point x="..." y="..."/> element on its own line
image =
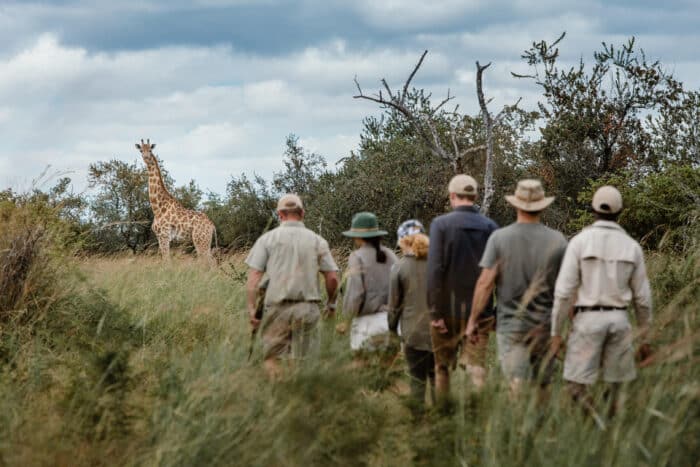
<point x="457" y="241"/>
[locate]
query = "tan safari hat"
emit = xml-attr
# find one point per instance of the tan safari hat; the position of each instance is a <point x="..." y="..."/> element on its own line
<point x="463" y="185"/>
<point x="288" y="202"/>
<point x="529" y="196"/>
<point x="607" y="200"/>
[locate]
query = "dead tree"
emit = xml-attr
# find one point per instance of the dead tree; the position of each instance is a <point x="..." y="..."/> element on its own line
<point x="490" y="123"/>
<point x="423" y="125"/>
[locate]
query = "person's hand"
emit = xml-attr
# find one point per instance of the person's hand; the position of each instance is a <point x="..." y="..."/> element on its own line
<point x="471" y="332"/>
<point x="328" y="311"/>
<point x="254" y="322"/>
<point x="644" y="352"/>
<point x="439" y="325"/>
<point x="555" y="346"/>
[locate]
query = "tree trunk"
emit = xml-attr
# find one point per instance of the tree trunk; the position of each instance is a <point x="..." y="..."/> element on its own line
<point x="488" y="127"/>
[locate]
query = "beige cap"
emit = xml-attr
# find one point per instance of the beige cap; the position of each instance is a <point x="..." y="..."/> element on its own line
<point x="463" y="185"/>
<point x="288" y="202"/>
<point x="607" y="200"/>
<point x="529" y="196"/>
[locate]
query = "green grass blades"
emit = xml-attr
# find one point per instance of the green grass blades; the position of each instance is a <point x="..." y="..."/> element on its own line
<point x="145" y="363"/>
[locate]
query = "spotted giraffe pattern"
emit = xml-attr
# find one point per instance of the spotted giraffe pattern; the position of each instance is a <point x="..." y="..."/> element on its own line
<point x="171" y="220"/>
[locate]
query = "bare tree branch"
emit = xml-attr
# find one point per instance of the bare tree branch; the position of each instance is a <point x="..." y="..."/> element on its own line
<point x="488" y="126"/>
<point x="444" y="101"/>
<point x="478" y="148"/>
<point x="404" y="93"/>
<point x="518" y="75"/>
<point x="497" y="120"/>
<point x="424" y="125"/>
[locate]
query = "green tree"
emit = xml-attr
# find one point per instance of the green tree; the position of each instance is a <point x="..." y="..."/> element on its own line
<point x="675" y="131"/>
<point x="248" y="211"/>
<point x="189" y="195"/>
<point x="121" y="211"/>
<point x="594" y="116"/>
<point x="661" y="209"/>
<point x="301" y="170"/>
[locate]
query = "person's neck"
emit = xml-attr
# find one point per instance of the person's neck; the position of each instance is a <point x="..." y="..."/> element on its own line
<point x="527" y="218"/>
<point x="462" y="204"/>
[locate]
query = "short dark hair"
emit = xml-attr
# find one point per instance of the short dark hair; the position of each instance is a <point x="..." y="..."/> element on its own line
<point x="294" y="211"/>
<point x="606" y="216"/>
<point x="535" y="213"/>
<point x="466" y="197"/>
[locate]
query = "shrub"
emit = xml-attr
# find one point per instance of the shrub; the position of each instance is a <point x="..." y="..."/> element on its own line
<point x="661" y="210"/>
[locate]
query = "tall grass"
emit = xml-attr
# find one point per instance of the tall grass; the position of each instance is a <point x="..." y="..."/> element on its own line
<point x="145" y="363"/>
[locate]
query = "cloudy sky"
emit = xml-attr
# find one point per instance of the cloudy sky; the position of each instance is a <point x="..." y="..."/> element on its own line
<point x="218" y="84"/>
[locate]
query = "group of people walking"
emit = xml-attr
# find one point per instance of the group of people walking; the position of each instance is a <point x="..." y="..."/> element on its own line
<point x="449" y="291"/>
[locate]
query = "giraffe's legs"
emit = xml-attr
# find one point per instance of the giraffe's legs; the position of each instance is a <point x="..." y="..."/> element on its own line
<point x="201" y="237"/>
<point x="164" y="244"/>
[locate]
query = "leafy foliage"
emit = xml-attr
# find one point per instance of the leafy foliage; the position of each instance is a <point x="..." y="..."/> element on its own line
<point x="595" y="116"/>
<point x="661" y="209"/>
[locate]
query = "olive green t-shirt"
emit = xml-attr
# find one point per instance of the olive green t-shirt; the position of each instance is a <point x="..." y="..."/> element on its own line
<point x="528" y="257"/>
<point x="292" y="257"/>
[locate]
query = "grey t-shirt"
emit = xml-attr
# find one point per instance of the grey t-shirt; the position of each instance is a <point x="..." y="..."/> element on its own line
<point x="528" y="257"/>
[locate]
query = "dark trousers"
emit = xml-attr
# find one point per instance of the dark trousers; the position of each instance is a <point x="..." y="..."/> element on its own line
<point x="421" y="366"/>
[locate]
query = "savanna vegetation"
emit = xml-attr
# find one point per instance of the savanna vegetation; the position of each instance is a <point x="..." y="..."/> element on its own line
<point x="108" y="356"/>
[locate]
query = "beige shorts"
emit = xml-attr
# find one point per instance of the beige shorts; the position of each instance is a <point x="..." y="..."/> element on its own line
<point x="290" y="330"/>
<point x="523" y="355"/>
<point x="600" y="340"/>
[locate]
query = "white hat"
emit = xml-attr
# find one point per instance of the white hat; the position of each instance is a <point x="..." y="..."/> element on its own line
<point x="463" y="185"/>
<point x="289" y="202"/>
<point x="607" y="200"/>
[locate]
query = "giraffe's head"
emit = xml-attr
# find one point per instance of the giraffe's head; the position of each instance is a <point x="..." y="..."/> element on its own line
<point x="146" y="150"/>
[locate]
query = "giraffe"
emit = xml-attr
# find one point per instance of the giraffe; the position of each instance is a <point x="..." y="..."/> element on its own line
<point x="171" y="220"/>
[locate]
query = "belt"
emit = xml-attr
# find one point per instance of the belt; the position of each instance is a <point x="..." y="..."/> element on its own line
<point x="291" y="302"/>
<point x="580" y="309"/>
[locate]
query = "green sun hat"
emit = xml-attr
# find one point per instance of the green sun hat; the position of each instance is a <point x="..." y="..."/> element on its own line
<point x="364" y="225"/>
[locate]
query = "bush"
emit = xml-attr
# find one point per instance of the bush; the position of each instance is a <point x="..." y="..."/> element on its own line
<point x="35" y="244"/>
<point x="661" y="210"/>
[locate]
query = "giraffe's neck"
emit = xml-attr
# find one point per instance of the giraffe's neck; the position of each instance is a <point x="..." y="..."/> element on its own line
<point x="158" y="195"/>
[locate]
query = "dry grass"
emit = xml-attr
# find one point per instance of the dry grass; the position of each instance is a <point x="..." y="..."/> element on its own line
<point x="146" y="363"/>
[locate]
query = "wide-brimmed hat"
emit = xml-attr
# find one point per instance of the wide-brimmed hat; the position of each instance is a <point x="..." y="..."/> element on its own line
<point x="364" y="225"/>
<point x="607" y="200"/>
<point x="529" y="196"/>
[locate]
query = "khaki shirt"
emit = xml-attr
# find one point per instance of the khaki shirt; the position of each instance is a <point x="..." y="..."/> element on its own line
<point x="292" y="256"/>
<point x="605" y="266"/>
<point x="367" y="287"/>
<point x="408" y="302"/>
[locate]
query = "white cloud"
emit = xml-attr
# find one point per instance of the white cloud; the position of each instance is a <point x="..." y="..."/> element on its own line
<point x="399" y="14"/>
<point x="217" y="110"/>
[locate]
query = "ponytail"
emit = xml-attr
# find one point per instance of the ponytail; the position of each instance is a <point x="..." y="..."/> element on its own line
<point x="376" y="242"/>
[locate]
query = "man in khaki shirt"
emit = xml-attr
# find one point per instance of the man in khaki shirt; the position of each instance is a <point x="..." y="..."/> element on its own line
<point x="603" y="272"/>
<point x="292" y="256"/>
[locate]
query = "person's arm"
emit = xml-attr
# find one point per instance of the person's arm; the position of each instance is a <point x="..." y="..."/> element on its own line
<point x="331" y="281"/>
<point x="254" y="277"/>
<point x="641" y="293"/>
<point x="329" y="269"/>
<point x="482" y="293"/>
<point x="257" y="263"/>
<point x="566" y="287"/>
<point x="395" y="298"/>
<point x="354" y="295"/>
<point x="436" y="276"/>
